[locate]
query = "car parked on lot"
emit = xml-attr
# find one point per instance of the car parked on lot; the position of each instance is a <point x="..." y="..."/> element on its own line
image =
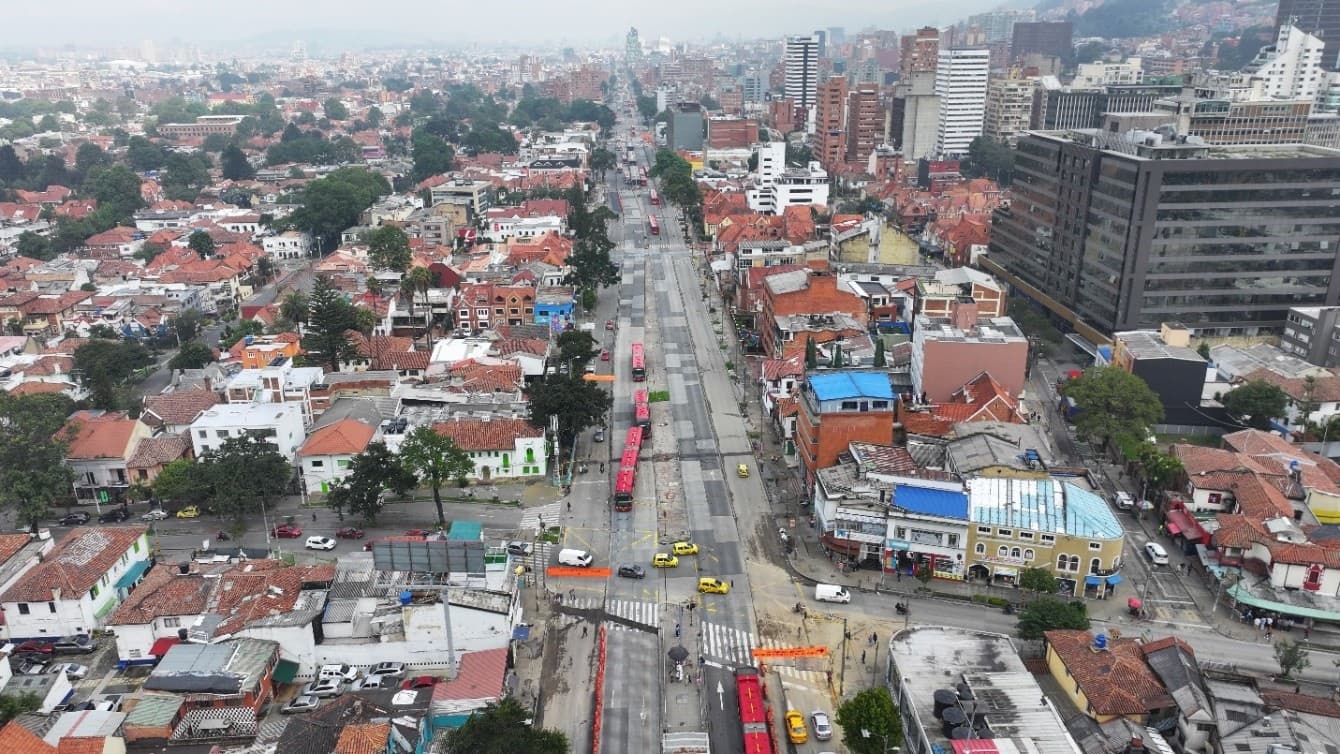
<point x="519" y="548"/>
<point x="76" y="518"/>
<point x="77" y="644"/>
<point x="300" y="703"/>
<point x="320" y="543"/>
<point x="349" y="532"/>
<point x="157" y="514"/>
<point x="72" y="670"/>
<point x="288" y="531"/>
<point x="190" y="511"/>
<point x="373" y="683"/>
<point x="323" y="689"/>
<point x="34" y="648"/>
<point x="632" y="572"/>
<point x="386" y="668"/>
<point x="420" y="682"/>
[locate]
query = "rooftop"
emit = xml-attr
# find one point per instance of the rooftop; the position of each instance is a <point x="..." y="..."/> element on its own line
<point x="1147" y="344"/>
<point x="1116" y="681"/>
<point x="835" y="386"/>
<point x="228" y="668"/>
<point x="83" y="557"/>
<point x="1045" y="505"/>
<point x="994" y="330"/>
<point x="249" y="415"/>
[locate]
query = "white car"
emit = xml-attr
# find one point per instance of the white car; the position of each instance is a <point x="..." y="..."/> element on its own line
<point x="1157" y="555"/>
<point x="72" y="670"/>
<point x="157" y="514"/>
<point x="326" y="689"/>
<point x="320" y="543"/>
<point x="1124" y="500"/>
<point x="374" y="682"/>
<point x="386" y="668"/>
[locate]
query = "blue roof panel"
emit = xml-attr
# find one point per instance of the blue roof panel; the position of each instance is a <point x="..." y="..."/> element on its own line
<point x="466" y="531"/>
<point x="835" y="386"/>
<point x="931" y="502"/>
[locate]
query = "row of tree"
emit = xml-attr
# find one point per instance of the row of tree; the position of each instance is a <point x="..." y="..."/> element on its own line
<point x="676" y="179"/>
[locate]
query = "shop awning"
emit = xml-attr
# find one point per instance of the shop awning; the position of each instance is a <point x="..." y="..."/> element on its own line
<point x="1173" y="528"/>
<point x="1092" y="580"/>
<point x="161" y="646"/>
<point x="1005" y="571"/>
<point x="1239" y="594"/>
<point x="1114" y="579"/>
<point x="1179" y="521"/>
<point x="285" y="671"/>
<point x="132" y="577"/>
<point x="842" y="545"/>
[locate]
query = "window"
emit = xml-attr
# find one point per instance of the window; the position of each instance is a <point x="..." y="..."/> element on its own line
<point x="171" y="622"/>
<point x="984" y="531"/>
<point x="952" y="540"/>
<point x="1028" y="554"/>
<point x="1026" y="536"/>
<point x="1095" y="545"/>
<point x="342" y="463"/>
<point x="1048" y="539"/>
<point x="204" y="434"/>
<point x="51" y="606"/>
<point x="1094" y="565"/>
<point x="1016" y="553"/>
<point x="318" y="464"/>
<point x="1006" y="533"/>
<point x="980" y="549"/>
<point x="1002" y="551"/>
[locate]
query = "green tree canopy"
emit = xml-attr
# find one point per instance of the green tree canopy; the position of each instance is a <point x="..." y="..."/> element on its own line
<point x="192" y="355"/>
<point x="333" y="203"/>
<point x="432" y="156"/>
<point x="1049" y="613"/>
<point x="370" y="472"/>
<point x="991" y="159"/>
<point x="330" y="317"/>
<point x="870" y="722"/>
<point x="335" y="109"/>
<point x="646" y="106"/>
<point x="1038" y="581"/>
<point x="602" y="159"/>
<point x="435" y="459"/>
<point x="234" y="164"/>
<point x="1292" y="657"/>
<point x="34" y="246"/>
<point x="578" y="403"/>
<point x="388" y="248"/>
<point x="576" y="347"/>
<point x="33" y="474"/>
<point x="676" y="177"/>
<point x="1160" y="469"/>
<point x="1259" y="401"/>
<point x="201" y="243"/>
<point x="243" y="474"/>
<point x="117" y="190"/>
<point x="120" y="359"/>
<point x="488" y="137"/>
<point x="503" y="728"/>
<point x="1114" y="405"/>
<point x="143" y="154"/>
<point x="185" y="175"/>
<point x="183" y="481"/>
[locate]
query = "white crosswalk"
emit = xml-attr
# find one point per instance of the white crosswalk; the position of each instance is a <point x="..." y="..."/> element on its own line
<point x="549" y="514"/>
<point x="636" y="611"/>
<point x="727" y="644"/>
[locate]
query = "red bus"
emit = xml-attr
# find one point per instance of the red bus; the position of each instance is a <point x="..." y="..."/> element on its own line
<point x="642" y="413"/>
<point x="639" y="363"/>
<point x="653" y="225"/>
<point x="627" y="477"/>
<point x="753" y="712"/>
<point x="641" y="176"/>
<point x="655" y="198"/>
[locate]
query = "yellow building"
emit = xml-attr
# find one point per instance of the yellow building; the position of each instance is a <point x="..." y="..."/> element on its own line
<point x="1055" y="525"/>
<point x="1106" y="679"/>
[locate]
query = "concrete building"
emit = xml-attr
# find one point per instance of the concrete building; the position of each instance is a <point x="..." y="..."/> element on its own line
<point x="632" y="46"/>
<point x="998" y="26"/>
<point x="947" y="352"/>
<point x="326" y="455"/>
<point x="920" y="51"/>
<point x="837" y="409"/>
<point x="1310" y="333"/>
<point x="731" y="133"/>
<point x="1163" y="231"/>
<point x="1292" y="67"/>
<point x="914" y="115"/>
<point x="1164" y="359"/>
<point x="1102" y="73"/>
<point x="1009" y="107"/>
<point x="475" y="196"/>
<point x="204" y="125"/>
<point x="865" y="122"/>
<point x="775" y="187"/>
<point x="1318" y="17"/>
<point x="802" y="71"/>
<point x="1050" y="38"/>
<point x="280" y="424"/>
<point x="960" y="83"/>
<point x="830" y="121"/>
<point x="685" y="129"/>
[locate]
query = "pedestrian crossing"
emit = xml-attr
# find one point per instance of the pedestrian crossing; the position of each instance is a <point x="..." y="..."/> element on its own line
<point x="633" y="611"/>
<point x="726" y="644"/>
<point x="546" y="515"/>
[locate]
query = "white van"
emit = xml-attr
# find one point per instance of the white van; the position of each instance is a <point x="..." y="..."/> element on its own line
<point x="577" y="558"/>
<point x="341" y="673"/>
<point x="831" y="593"/>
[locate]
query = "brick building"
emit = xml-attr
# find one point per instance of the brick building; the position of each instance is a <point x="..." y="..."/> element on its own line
<point x="805" y="292"/>
<point x="837" y="409"/>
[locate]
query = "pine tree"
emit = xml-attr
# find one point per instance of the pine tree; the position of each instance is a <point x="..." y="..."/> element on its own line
<point x="811" y="354"/>
<point x="880" y="359"/>
<point x="330" y="317"/>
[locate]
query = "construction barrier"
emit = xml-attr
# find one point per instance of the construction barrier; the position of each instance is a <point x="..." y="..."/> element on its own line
<point x="793" y="652"/>
<point x="600" y="689"/>
<point x="599" y="378"/>
<point x="578" y="573"/>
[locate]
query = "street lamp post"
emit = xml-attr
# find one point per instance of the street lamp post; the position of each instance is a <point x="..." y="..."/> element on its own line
<point x="868" y="734"/>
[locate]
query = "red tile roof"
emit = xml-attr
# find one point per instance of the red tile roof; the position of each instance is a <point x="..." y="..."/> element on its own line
<point x="244" y="593"/>
<point x="82" y="745"/>
<point x="83" y="557"/>
<point x="16" y="739"/>
<point x="481" y="677"/>
<point x="364" y="738"/>
<point x="1314" y="705"/>
<point x="494" y="434"/>
<point x="163" y="593"/>
<point x="152" y="452"/>
<point x="105" y="435"/>
<point x="347" y="437"/>
<point x="178" y="407"/>
<point x="10" y="544"/>
<point x="1115" y="681"/>
<point x="34" y="388"/>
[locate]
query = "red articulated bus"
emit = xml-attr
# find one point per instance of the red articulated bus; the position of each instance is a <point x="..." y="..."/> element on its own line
<point x="627" y="477"/>
<point x="642" y="413"/>
<point x="653" y="226"/>
<point x="639" y="363"/>
<point x="655" y="198"/>
<point x="753" y="711"/>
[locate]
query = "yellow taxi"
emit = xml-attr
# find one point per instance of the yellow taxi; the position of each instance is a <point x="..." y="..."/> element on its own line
<point x="189" y="511"/>
<point x="664" y="560"/>
<point x="709" y="585"/>
<point x="684" y="548"/>
<point x="742" y="470"/>
<point x="795" y="727"/>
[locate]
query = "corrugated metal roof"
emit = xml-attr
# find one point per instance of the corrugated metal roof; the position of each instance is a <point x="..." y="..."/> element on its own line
<point x="466" y="531"/>
<point x="155" y="710"/>
<point x="1041" y="505"/>
<point x="931" y="502"/>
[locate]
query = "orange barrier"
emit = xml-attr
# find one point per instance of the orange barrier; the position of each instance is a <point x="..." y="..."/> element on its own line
<point x="600" y="692"/>
<point x="598" y="377"/>
<point x="580" y="573"/>
<point x="793" y="652"/>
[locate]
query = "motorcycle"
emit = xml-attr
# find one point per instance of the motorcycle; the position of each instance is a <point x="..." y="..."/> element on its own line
<point x="1009" y="608"/>
<point x="799" y="608"/>
<point x="901" y="607"/>
<point x="222" y="536"/>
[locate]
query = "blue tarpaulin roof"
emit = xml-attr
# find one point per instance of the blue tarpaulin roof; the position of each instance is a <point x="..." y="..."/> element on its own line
<point x="1114" y="579"/>
<point x="521" y="633"/>
<point x="838" y="385"/>
<point x="129" y="578"/>
<point x="466" y="531"/>
<point x="1092" y="580"/>
<point x="931" y="502"/>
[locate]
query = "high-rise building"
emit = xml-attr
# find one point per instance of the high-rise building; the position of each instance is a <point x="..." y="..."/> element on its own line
<point x="774" y="186"/>
<point x="1319" y="17"/>
<point x="830" y="120"/>
<point x="754" y="85"/>
<point x="914" y="114"/>
<point x="998" y="26"/>
<point x="802" y="70"/>
<point x="1043" y="37"/>
<point x="960" y="83"/>
<point x="837" y="35"/>
<point x="1291" y="68"/>
<point x="920" y="51"/>
<point x="632" y="46"/>
<point x="686" y="126"/>
<point x="1009" y="107"/>
<point x="821" y="38"/>
<point x="1128" y="231"/>
<point x="865" y="122"/>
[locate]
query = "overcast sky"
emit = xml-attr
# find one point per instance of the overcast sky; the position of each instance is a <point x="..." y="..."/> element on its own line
<point x="111" y="23"/>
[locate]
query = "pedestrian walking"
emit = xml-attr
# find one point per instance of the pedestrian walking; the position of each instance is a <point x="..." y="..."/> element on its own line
<point x="1257" y="623"/>
<point x="584" y="630"/>
<point x="862" y="656"/>
<point x="569" y="506"/>
<point x="313" y="516"/>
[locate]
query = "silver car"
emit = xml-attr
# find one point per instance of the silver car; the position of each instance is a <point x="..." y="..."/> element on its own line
<point x="326" y="689"/>
<point x="823" y="729"/>
<point x="300" y="703"/>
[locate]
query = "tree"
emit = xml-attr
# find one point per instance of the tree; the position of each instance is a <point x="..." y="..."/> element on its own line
<point x="489" y="137"/>
<point x="330" y="317"/>
<point x="1259" y="401"/>
<point x="375" y="117"/>
<point x="1038" y="581"/>
<point x="990" y="158"/>
<point x="335" y="109"/>
<point x="185" y="175"/>
<point x="602" y="159"/>
<point x="183" y="480"/>
<point x="432" y="155"/>
<point x="646" y="106"/>
<point x="33" y="474"/>
<point x="119" y="360"/>
<point x="370" y="472"/>
<point x="435" y="459"/>
<point x="201" y="243"/>
<point x="811" y="354"/>
<point x="388" y="248"/>
<point x="101" y="331"/>
<point x="1292" y="657"/>
<point x="578" y="403"/>
<point x="591" y="266"/>
<point x="1160" y="469"/>
<point x="798" y="154"/>
<point x="233" y="333"/>
<point x="187" y="325"/>
<point x="117" y="190"/>
<point x="143" y="154"/>
<point x="1114" y="405"/>
<point x="576" y="347"/>
<point x="880" y="359"/>
<point x="234" y="164"/>
<point x="11" y="167"/>
<point x="417" y="281"/>
<point x="89" y="156"/>
<point x="503" y="728"/>
<point x="11" y="706"/>
<point x="870" y="722"/>
<point x="333" y="203"/>
<point x="294" y="308"/>
<point x="1049" y="613"/>
<point x="192" y="355"/>
<point x="244" y="474"/>
<point x="34" y="246"/>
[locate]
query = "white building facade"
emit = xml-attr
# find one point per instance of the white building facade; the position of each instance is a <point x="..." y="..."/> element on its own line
<point x="960" y="83"/>
<point x="280" y="424"/>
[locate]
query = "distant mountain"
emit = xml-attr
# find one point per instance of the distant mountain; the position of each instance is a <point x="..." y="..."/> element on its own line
<point x="1121" y="19"/>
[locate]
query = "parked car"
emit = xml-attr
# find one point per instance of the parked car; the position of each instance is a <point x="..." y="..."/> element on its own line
<point x="157" y="514"/>
<point x="684" y="548"/>
<point x="604" y="354"/>
<point x="32" y="665"/>
<point x="373" y="683"/>
<point x="520" y="549"/>
<point x="417" y="533"/>
<point x="324" y="689"/>
<point x="632" y="572"/>
<point x="114" y="516"/>
<point x="1124" y="500"/>
<point x="300" y="703"/>
<point x="349" y="532"/>
<point x="664" y="560"/>
<point x="190" y="511"/>
<point x="386" y="668"/>
<point x="599" y="435"/>
<point x="420" y="682"/>
<point x="72" y="670"/>
<point x="288" y="531"/>
<point x="77" y="644"/>
<point x="33" y="648"/>
<point x="823" y="729"/>
<point x="320" y="543"/>
<point x="77" y="518"/>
